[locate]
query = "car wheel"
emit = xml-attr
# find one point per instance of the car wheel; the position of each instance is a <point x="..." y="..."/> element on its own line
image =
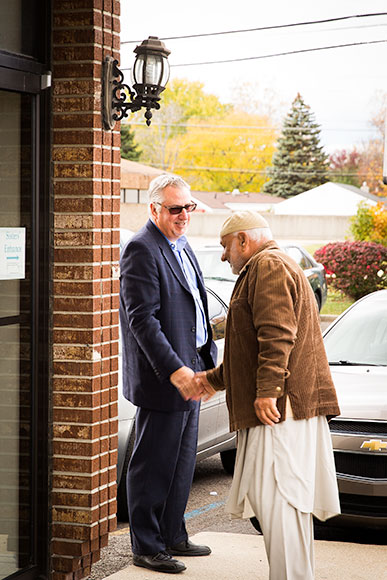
<point x="228" y="460"/>
<point x="256" y="525"/>
<point x="318" y="300"/>
<point x="122" y="500"/>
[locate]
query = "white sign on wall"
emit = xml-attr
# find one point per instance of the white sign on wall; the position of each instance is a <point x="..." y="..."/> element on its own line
<point x="12" y="253"/>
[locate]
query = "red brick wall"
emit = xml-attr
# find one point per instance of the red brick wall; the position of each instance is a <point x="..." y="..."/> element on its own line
<point x="86" y="190"/>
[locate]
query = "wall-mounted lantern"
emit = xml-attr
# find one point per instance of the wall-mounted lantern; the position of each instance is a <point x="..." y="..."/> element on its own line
<point x="150" y="75"/>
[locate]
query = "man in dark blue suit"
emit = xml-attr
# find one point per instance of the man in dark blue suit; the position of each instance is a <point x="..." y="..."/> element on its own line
<point x="166" y="339"/>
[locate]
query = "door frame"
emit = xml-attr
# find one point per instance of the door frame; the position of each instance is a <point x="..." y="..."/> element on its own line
<point x="22" y="75"/>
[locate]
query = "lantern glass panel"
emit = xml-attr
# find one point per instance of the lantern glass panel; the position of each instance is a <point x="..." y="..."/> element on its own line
<point x="165" y="73"/>
<point x="148" y="69"/>
<point x="136" y="72"/>
<point x="153" y="70"/>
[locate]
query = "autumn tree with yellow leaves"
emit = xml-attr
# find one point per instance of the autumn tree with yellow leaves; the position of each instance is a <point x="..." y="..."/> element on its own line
<point x="233" y="152"/>
<point x="209" y="143"/>
<point x="181" y="101"/>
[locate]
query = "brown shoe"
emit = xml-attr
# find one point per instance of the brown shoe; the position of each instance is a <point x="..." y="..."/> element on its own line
<point x="161" y="562"/>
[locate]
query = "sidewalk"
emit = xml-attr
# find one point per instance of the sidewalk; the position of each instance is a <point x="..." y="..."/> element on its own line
<point x="243" y="557"/>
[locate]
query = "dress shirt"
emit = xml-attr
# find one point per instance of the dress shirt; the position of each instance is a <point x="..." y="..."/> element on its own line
<point x="190" y="275"/>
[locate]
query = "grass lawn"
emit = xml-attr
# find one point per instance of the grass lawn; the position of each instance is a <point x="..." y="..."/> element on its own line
<point x="336" y="302"/>
<point x="311" y="248"/>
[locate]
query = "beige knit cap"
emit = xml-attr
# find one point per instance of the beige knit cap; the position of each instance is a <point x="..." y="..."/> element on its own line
<point x="241" y="221"/>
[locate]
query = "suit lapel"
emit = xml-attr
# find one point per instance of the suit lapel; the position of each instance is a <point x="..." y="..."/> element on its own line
<point x="176" y="270"/>
<point x="200" y="281"/>
<point x="174" y="265"/>
<point x="168" y="254"/>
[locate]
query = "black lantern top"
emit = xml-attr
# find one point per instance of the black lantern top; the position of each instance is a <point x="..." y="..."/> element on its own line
<point x="152" y="45"/>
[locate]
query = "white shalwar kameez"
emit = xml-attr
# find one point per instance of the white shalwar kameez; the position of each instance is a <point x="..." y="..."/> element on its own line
<point x="284" y="474"/>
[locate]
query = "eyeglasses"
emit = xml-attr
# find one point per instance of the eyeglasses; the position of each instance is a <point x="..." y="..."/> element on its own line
<point x="176" y="209"/>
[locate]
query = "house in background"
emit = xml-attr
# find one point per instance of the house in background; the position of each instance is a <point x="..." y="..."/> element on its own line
<point x="321" y="213"/>
<point x="136" y="177"/>
<point x="235" y="201"/>
<point x="135" y="180"/>
<point x="329" y="199"/>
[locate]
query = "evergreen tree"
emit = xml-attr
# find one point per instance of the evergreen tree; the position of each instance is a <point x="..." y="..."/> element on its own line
<point x="299" y="163"/>
<point x="129" y="149"/>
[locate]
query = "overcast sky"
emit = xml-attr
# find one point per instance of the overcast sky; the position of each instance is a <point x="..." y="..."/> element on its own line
<point x="338" y="84"/>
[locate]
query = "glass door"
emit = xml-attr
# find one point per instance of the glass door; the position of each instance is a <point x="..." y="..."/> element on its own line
<point x="25" y="105"/>
<point x="17" y="278"/>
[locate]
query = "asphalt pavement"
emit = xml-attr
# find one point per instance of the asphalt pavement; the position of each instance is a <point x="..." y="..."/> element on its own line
<point x="243" y="557"/>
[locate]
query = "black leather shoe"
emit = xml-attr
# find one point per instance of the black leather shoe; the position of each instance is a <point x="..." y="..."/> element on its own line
<point x="161" y="562"/>
<point x="187" y="548"/>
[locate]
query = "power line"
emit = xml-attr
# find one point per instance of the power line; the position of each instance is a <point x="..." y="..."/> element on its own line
<point x="244" y="127"/>
<point x="334" y="46"/>
<point x="304" y="50"/>
<point x="273" y="27"/>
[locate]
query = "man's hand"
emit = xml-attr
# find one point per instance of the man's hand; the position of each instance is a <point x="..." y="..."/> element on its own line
<point x="206" y="389"/>
<point x="266" y="410"/>
<point x="184" y="380"/>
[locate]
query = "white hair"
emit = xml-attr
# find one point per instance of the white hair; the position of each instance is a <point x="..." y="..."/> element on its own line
<point x="256" y="234"/>
<point x="159" y="183"/>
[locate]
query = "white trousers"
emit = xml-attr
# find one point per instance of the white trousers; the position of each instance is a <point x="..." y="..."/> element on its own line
<point x="287" y="532"/>
<point x="283" y="475"/>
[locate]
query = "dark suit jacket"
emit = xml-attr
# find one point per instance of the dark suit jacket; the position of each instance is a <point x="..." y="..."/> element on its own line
<point x="158" y="319"/>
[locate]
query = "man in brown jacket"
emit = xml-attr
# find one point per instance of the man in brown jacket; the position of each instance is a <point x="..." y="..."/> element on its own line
<point x="279" y="394"/>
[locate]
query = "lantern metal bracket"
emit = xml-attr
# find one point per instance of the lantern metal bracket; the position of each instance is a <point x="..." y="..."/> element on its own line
<point x="115" y="105"/>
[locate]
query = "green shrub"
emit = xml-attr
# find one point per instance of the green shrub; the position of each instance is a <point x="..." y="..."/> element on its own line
<point x="370" y="223"/>
<point x="355" y="268"/>
<point x="362" y="223"/>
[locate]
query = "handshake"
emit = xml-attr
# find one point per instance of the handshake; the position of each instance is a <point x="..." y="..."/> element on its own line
<point x="192" y="385"/>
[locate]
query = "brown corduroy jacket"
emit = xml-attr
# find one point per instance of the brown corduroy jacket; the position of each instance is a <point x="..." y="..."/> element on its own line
<point x="273" y="343"/>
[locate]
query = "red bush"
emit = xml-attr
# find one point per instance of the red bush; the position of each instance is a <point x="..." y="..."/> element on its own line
<point x="355" y="268"/>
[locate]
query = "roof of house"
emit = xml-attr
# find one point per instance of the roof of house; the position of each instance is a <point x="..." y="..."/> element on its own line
<point x="362" y="192"/>
<point x="227" y="201"/>
<point x="136" y="175"/>
<point x="327" y="199"/>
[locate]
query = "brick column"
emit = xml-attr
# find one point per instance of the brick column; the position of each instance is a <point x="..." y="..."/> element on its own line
<point x="86" y="190"/>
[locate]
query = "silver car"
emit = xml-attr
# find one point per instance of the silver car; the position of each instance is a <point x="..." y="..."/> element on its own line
<point x="356" y="345"/>
<point x="214" y="434"/>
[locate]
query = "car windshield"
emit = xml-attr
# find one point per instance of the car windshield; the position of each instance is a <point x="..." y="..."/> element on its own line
<point x="212" y="266"/>
<point x="360" y="337"/>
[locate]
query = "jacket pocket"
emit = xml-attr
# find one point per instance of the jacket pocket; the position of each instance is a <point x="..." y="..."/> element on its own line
<point x="240" y="316"/>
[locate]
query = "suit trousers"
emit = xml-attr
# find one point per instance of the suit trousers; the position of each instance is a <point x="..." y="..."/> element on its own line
<point x="160" y="477"/>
